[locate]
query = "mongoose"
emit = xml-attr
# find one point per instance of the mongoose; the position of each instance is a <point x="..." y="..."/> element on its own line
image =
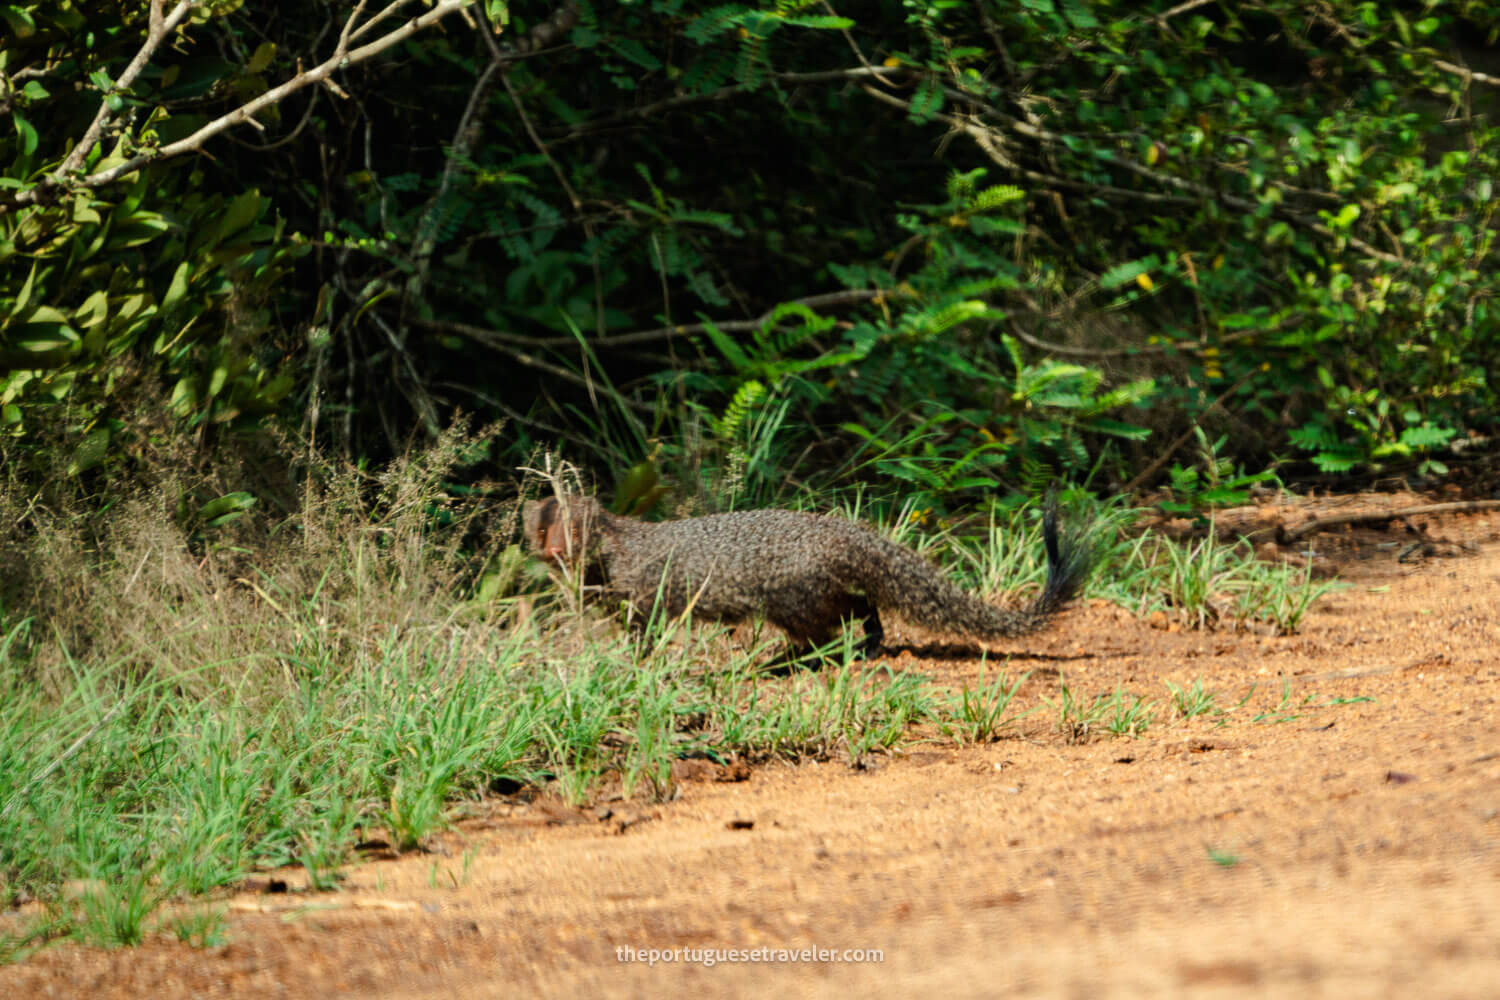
<point x="805" y="573"/>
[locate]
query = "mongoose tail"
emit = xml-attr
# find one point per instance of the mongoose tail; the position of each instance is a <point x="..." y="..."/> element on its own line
<point x="906" y="583"/>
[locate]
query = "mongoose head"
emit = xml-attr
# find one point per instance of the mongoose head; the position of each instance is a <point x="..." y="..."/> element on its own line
<point x="561" y="528"/>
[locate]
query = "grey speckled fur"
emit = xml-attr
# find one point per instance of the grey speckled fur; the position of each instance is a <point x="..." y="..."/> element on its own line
<point x="805" y="573"/>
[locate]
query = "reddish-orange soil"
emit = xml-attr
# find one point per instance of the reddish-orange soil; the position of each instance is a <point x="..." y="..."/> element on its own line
<point x="1350" y="849"/>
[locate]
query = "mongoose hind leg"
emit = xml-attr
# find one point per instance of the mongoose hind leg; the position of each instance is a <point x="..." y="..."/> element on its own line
<point x="869" y="616"/>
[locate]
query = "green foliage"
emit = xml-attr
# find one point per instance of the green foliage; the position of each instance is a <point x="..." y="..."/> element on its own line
<point x="979" y="712"/>
<point x="1126" y="714"/>
<point x="1223" y="858"/>
<point x="202" y="927"/>
<point x="1190" y="702"/>
<point x="235" y="715"/>
<point x="1212" y="482"/>
<point x="948" y="405"/>
<point x="1208" y="581"/>
<point x="1117" y="713"/>
<point x="1077" y="717"/>
<point x="912" y="256"/>
<point x="156" y="280"/>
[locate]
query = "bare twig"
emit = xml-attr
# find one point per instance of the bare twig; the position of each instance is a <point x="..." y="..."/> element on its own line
<point x="1466" y="73"/>
<point x="8" y="83"/>
<point x="469" y="122"/>
<point x="58" y="761"/>
<point x="494" y="337"/>
<point x="497" y="341"/>
<point x="1181" y="8"/>
<point x="425" y="240"/>
<point x="266" y="147"/>
<point x="1105" y="353"/>
<point x="723" y="93"/>
<point x="1364" y="517"/>
<point x="854" y="45"/>
<point x="352" y="33"/>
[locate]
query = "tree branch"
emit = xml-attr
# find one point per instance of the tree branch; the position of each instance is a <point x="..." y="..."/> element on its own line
<point x="1319" y="523"/>
<point x="425" y="240"/>
<point x="1466" y="73"/>
<point x="159" y="28"/>
<point x="342" y="58"/>
<point x="493" y="337"/>
<point x="1106" y="353"/>
<point x="505" y="344"/>
<point x="723" y="93"/>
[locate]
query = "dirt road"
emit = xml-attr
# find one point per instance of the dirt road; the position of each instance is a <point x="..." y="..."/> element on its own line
<point x="1345" y="844"/>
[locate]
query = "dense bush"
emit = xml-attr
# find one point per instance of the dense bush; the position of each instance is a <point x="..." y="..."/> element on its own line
<point x="951" y="247"/>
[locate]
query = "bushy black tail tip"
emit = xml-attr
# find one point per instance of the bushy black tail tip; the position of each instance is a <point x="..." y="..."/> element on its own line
<point x="1070" y="556"/>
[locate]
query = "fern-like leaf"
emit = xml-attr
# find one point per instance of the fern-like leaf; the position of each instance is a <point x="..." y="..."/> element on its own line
<point x="745" y="398"/>
<point x="993" y="197"/>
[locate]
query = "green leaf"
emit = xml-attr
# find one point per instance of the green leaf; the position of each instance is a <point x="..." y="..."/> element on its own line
<point x="635" y="485"/>
<point x="184" y="397"/>
<point x="727" y="347"/>
<point x="1127" y="272"/>
<point x="141" y="228"/>
<point x="46" y="329"/>
<point x="633" y="51"/>
<point x="1402" y="27"/>
<point x="225" y="509"/>
<point x="1338" y="459"/>
<point x="949" y="316"/>
<point x="994" y="197"/>
<point x="277" y="389"/>
<point x="745" y="400"/>
<point x="1129" y="394"/>
<point x="90" y="451"/>
<point x="824" y="21"/>
<point x="84" y="212"/>
<point x="95" y="310"/>
<point x="264" y="53"/>
<point x="27" y="134"/>
<point x="926" y="102"/>
<point x="242" y="211"/>
<point x="1427" y="436"/>
<point x="18" y="20"/>
<point x="23" y="297"/>
<point x="177" y="289"/>
<point x="1119" y="429"/>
